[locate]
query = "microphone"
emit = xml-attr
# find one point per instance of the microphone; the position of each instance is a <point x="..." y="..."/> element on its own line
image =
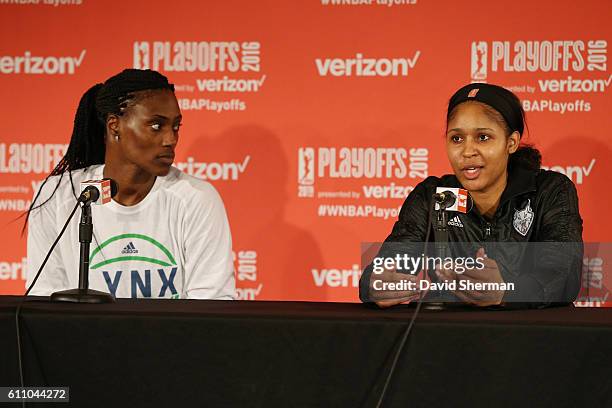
<point x="451" y="199"/>
<point x="98" y="192"/>
<point x="445" y="199"/>
<point x="90" y="194"/>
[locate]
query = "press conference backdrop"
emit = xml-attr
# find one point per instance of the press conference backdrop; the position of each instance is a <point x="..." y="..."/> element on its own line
<point x="315" y="118"/>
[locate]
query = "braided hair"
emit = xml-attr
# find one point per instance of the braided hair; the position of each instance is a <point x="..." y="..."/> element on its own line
<point x="87" y="143"/>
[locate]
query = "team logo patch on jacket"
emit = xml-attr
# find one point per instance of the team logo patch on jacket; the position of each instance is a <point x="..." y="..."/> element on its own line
<point x="523" y="219"/>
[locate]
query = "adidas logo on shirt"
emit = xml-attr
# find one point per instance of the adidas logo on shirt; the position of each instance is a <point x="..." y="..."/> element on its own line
<point x="455" y="222"/>
<point x="129" y="249"/>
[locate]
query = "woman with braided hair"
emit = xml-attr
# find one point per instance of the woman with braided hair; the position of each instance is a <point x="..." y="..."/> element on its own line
<point x="165" y="234"/>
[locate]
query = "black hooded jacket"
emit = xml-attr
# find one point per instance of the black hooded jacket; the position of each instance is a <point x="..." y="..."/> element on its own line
<point x="536" y="207"/>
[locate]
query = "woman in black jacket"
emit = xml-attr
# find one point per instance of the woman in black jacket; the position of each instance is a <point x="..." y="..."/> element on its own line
<point x="512" y="202"/>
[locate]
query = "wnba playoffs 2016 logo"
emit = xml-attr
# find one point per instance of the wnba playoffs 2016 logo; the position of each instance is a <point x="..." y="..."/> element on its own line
<point x="141" y="55"/>
<point x="306" y="172"/>
<point x="306" y="166"/>
<point x="479" y="61"/>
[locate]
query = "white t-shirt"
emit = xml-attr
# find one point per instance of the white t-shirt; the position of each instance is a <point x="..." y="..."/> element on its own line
<point x="175" y="243"/>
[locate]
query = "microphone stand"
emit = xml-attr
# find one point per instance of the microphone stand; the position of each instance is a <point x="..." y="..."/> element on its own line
<point x="442" y="251"/>
<point x="441" y="233"/>
<point x="83" y="294"/>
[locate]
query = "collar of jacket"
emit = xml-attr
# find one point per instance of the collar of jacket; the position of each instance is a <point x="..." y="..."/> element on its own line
<point x="520" y="181"/>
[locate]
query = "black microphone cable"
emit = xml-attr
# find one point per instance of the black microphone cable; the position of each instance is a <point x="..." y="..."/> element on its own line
<point x="408" y="330"/>
<point x="20" y="304"/>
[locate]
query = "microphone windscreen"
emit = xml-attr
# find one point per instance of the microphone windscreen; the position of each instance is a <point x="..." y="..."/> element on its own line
<point x="94" y="193"/>
<point x="458" y="198"/>
<point x="106" y="189"/>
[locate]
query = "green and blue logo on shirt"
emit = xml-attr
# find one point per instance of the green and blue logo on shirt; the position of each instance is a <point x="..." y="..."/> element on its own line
<point x="149" y="261"/>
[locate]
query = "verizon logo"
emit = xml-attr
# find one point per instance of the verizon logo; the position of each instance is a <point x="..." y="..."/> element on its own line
<point x="337" y="277"/>
<point x="574" y="85"/>
<point x="214" y="170"/>
<point x="576" y="173"/>
<point x="38" y="65"/>
<point x="368" y="67"/>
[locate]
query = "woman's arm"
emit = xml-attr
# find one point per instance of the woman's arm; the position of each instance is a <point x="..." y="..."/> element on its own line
<point x="558" y="248"/>
<point x="43" y="228"/>
<point x="411" y="227"/>
<point x="209" y="268"/>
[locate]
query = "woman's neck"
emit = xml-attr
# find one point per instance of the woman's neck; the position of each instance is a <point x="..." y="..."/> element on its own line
<point x="488" y="200"/>
<point x="133" y="183"/>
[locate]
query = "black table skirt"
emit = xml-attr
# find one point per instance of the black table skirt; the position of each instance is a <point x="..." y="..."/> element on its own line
<point x="173" y="353"/>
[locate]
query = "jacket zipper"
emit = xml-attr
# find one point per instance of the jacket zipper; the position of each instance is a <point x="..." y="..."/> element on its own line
<point x="487" y="231"/>
<point x="487" y="235"/>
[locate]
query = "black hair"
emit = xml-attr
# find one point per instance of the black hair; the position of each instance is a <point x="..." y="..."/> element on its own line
<point x="505" y="108"/>
<point x="87" y="143"/>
